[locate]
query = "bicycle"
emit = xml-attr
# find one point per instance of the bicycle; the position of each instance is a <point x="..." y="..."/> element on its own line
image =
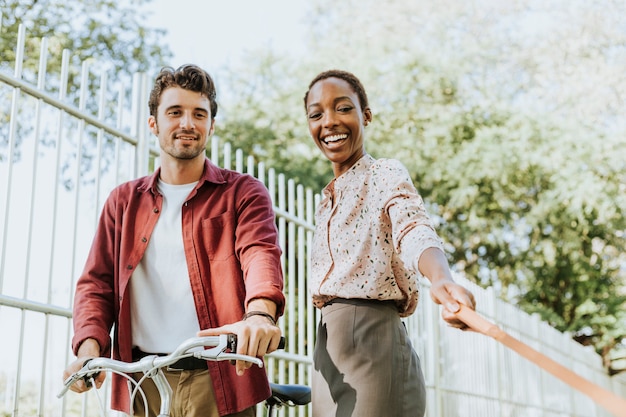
<point x="212" y="348"/>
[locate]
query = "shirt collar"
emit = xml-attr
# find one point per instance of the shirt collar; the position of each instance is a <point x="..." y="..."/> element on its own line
<point x="212" y="174"/>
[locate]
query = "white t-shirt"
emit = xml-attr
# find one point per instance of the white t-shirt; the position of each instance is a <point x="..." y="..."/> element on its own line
<point x="163" y="313"/>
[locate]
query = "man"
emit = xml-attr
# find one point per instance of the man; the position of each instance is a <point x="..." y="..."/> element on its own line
<point x="191" y="247"/>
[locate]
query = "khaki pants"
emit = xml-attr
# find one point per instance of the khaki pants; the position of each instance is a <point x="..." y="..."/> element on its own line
<point x="192" y="396"/>
<point x="364" y="364"/>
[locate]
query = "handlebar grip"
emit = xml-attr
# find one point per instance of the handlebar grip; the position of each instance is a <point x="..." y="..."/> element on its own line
<point x="232" y="342"/>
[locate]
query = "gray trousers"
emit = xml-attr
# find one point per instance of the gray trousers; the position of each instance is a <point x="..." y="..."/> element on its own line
<point x="364" y="364"/>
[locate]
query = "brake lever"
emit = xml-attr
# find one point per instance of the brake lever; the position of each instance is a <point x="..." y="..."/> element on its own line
<point x="87" y="375"/>
<point x="232" y="342"/>
<point x="209" y="354"/>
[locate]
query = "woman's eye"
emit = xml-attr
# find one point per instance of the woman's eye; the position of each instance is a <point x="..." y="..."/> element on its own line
<point x="345" y="109"/>
<point x="314" y="115"/>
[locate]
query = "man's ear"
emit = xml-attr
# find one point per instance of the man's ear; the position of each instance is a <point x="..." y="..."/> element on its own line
<point x="152" y="123"/>
<point x="212" y="128"/>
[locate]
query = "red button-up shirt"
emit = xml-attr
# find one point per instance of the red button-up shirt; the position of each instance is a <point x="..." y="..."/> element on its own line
<point x="233" y="256"/>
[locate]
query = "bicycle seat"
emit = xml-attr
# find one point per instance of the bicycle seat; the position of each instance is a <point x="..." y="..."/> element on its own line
<point x="290" y="394"/>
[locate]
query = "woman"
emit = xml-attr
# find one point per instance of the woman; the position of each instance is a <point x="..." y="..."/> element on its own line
<point x="373" y="238"/>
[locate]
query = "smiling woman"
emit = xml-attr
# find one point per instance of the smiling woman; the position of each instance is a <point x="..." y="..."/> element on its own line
<point x="373" y="238"/>
<point x="213" y="34"/>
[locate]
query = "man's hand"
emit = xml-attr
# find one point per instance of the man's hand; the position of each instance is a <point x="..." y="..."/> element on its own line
<point x="256" y="336"/>
<point x="88" y="349"/>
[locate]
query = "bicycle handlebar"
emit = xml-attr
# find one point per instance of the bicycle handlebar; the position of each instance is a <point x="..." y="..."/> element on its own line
<point x="222" y="348"/>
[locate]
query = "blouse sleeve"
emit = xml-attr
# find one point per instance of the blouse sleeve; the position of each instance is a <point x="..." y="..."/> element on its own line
<point x="413" y="229"/>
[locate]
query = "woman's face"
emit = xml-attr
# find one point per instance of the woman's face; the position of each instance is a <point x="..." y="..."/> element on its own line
<point x="336" y="122"/>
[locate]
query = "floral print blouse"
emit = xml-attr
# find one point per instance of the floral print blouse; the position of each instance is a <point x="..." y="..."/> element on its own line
<point x="371" y="229"/>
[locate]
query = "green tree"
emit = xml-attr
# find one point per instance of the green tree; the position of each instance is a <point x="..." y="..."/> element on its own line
<point x="263" y="114"/>
<point x="109" y="37"/>
<point x="111" y="33"/>
<point x="511" y="141"/>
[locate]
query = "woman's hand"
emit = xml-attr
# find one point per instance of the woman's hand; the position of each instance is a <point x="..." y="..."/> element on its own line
<point x="450" y="294"/>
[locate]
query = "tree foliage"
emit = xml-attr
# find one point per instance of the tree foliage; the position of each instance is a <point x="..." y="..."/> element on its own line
<point x="510" y="117"/>
<point x="111" y="33"/>
<point x="263" y="114"/>
<point x="105" y="37"/>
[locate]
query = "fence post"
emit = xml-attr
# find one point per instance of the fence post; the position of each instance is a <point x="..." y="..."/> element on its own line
<point x="139" y="120"/>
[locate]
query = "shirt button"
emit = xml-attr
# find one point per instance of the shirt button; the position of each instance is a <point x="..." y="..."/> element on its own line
<point x="129" y="267"/>
<point x="144" y="240"/>
<point x="155" y="210"/>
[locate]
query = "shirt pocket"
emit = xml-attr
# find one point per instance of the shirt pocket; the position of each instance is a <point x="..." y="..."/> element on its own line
<point x="218" y="236"/>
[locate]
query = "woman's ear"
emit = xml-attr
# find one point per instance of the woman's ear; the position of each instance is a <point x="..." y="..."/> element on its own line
<point x="367" y="116"/>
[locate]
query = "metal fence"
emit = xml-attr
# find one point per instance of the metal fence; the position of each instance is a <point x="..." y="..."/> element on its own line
<point x="61" y="154"/>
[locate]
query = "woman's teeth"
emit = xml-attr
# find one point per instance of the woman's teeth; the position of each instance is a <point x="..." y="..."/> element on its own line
<point x="334" y="138"/>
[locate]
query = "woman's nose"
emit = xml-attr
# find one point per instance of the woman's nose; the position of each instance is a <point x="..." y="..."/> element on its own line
<point x="328" y="119"/>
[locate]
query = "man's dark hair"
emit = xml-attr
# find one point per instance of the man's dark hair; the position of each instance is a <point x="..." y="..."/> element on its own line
<point x="189" y="77"/>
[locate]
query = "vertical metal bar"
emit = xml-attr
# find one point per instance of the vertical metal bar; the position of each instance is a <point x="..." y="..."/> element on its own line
<point x="227" y="155"/>
<point x="33" y="185"/>
<point x="118" y="140"/>
<point x="271" y="186"/>
<point x="261" y="172"/>
<point x="138" y="124"/>
<point x="437" y="358"/>
<point x="79" y="141"/>
<point x="311" y="310"/>
<point x="238" y="159"/>
<point x="500" y="354"/>
<point x="215" y="150"/>
<point x="250" y="165"/>
<point x="13" y="120"/>
<point x="134" y="115"/>
<point x="43" y="54"/>
<point x="99" y="144"/>
<point x="63" y="81"/>
<point x="282" y="240"/>
<point x="144" y="132"/>
<point x="12" y="129"/>
<point x="291" y="266"/>
<point x="301" y="292"/>
<point x="80" y="132"/>
<point x="142" y="155"/>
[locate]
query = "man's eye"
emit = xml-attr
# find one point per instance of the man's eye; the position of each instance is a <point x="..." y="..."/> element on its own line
<point x="314" y="116"/>
<point x="345" y="109"/>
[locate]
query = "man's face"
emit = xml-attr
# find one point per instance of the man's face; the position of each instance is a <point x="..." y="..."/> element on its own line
<point x="183" y="123"/>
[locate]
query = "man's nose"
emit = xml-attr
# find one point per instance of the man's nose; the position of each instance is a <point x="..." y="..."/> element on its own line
<point x="186" y="121"/>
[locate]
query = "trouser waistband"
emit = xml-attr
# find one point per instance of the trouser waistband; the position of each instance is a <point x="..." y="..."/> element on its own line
<point x="184" y="364"/>
<point x="360" y="301"/>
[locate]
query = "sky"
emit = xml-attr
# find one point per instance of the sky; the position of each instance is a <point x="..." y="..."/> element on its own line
<point x="215" y="33"/>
